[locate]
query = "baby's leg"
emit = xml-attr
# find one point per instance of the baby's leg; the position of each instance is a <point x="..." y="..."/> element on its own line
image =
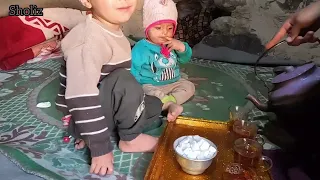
<point x="169" y="101"/>
<point x="183" y="90"/>
<point x="154" y="91"/>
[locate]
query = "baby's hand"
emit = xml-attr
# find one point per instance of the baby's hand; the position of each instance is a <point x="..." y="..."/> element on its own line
<point x="174" y="44"/>
<point x="102" y="165"/>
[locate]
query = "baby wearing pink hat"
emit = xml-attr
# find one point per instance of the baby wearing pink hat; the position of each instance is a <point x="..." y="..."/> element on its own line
<point x="156" y="59"/>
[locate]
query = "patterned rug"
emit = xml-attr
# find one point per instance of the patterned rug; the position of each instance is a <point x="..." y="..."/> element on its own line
<point x="32" y="137"/>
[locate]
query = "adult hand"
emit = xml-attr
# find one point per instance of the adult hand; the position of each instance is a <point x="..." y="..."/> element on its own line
<point x="304" y="19"/>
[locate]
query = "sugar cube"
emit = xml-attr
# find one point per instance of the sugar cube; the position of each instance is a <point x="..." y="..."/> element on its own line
<point x="212" y="149"/>
<point x="195" y="147"/>
<point x="201" y="156"/>
<point x="193" y="154"/>
<point x="197" y="138"/>
<point x="204" y="145"/>
<point x="184" y="146"/>
<point x="187" y="151"/>
<point x="184" y="141"/>
<point x="206" y="154"/>
<point x="179" y="150"/>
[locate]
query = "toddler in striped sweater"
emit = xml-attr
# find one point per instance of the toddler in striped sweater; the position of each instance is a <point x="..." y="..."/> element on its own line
<point x="98" y="92"/>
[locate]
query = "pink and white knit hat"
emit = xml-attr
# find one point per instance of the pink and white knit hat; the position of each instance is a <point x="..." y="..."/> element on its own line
<point x="159" y="11"/>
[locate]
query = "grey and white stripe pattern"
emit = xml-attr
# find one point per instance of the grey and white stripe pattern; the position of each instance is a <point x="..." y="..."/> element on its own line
<point x="88" y="117"/>
<point x="167" y="74"/>
<point x="86" y="108"/>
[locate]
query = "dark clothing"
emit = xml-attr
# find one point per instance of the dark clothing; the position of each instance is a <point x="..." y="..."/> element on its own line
<point x="126" y="108"/>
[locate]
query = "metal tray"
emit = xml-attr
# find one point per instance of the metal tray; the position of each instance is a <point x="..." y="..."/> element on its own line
<point x="164" y="166"/>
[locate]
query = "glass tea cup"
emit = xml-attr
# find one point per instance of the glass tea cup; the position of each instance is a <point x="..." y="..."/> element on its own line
<point x="235" y="171"/>
<point x="247" y="129"/>
<point x="237" y="113"/>
<point x="248" y="153"/>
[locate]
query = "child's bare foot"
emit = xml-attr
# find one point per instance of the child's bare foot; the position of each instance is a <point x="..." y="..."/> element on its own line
<point x="174" y="110"/>
<point x="79" y="144"/>
<point x="142" y="143"/>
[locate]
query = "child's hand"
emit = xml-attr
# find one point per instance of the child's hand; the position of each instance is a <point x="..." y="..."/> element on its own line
<point x="102" y="165"/>
<point x="174" y="44"/>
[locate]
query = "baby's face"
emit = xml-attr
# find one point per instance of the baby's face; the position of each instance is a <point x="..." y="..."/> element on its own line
<point x="114" y="11"/>
<point x="158" y="34"/>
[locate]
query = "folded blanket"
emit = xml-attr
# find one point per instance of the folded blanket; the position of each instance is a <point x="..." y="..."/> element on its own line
<point x="25" y="37"/>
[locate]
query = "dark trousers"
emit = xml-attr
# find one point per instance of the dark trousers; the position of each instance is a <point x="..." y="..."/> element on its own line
<point x="126" y="108"/>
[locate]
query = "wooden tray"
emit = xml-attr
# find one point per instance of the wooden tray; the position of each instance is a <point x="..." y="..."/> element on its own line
<point x="164" y="166"/>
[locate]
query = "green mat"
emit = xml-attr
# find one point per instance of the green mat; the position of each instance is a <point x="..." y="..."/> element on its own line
<point x="32" y="137"/>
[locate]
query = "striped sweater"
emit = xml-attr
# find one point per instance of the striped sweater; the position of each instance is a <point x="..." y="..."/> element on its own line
<point x="91" y="51"/>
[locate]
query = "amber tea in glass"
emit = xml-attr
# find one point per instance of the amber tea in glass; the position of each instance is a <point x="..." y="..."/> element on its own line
<point x="248" y="156"/>
<point x="248" y="153"/>
<point x="235" y="171"/>
<point x="247" y="129"/>
<point x="236" y="113"/>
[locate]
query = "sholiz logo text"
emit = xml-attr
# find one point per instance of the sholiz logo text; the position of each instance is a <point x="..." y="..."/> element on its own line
<point x="32" y="10"/>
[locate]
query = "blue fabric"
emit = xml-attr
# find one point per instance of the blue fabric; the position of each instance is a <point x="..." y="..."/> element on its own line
<point x="149" y="66"/>
<point x="10" y="171"/>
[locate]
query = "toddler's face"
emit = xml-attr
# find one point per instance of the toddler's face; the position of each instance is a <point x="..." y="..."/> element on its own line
<point x="158" y="34"/>
<point x="113" y="11"/>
